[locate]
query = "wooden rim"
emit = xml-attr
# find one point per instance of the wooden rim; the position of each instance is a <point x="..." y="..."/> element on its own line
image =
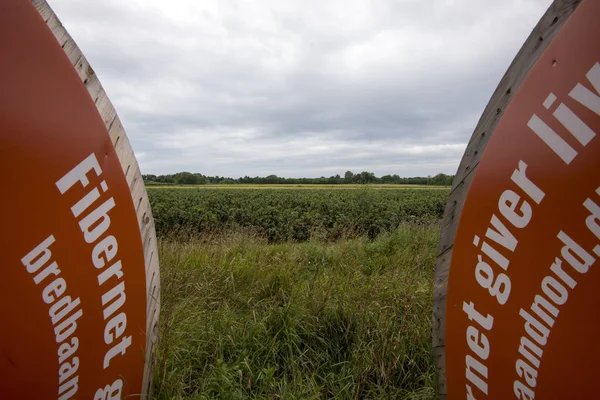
<point x="132" y="175"/>
<point x="539" y="39"/>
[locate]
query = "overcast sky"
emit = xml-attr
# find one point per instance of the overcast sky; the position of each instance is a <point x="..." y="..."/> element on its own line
<point x="299" y="88"/>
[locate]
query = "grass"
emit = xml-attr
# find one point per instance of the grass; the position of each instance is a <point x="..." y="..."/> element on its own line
<point x="241" y="318"/>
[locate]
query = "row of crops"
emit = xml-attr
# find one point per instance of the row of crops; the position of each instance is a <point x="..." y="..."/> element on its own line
<point x="296" y="215"/>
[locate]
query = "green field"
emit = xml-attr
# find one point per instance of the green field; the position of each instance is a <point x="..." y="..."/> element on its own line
<point x="296" y="294"/>
<point x="155" y="185"/>
<point x="292" y="215"/>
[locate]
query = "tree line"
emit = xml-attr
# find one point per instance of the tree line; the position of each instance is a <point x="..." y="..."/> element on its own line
<point x="189" y="178"/>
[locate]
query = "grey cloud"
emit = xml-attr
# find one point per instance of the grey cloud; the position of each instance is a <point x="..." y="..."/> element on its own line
<point x="299" y="88"/>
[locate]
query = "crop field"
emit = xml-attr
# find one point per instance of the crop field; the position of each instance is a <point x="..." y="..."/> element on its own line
<point x="289" y="214"/>
<point x="155" y="185"/>
<point x="296" y="294"/>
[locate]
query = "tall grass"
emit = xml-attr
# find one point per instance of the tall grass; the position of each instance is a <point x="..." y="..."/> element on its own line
<point x="351" y="319"/>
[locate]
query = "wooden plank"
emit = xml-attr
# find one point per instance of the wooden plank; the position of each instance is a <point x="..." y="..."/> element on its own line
<point x="441" y="276"/>
<point x="72" y="51"/>
<point x="133" y="176"/>
<point x="115" y="131"/>
<point x="548" y="26"/>
<point x="60" y="33"/>
<point x="106" y="109"/>
<point x="43" y="9"/>
<point x="94" y="88"/>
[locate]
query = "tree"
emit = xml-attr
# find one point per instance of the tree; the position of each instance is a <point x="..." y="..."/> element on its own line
<point x="149" y="177"/>
<point x="366" y="177"/>
<point x="271" y="179"/>
<point x="186" y="178"/>
<point x="348" y="176"/>
<point x="165" y="179"/>
<point x="387" y="179"/>
<point x="442" y="179"/>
